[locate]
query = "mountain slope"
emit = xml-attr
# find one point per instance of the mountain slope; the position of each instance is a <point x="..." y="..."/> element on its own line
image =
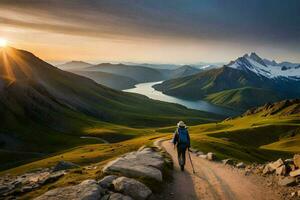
<point x="243" y="98"/>
<point x="245" y="72"/>
<point x="114" y="81"/>
<point x="44" y="109"/>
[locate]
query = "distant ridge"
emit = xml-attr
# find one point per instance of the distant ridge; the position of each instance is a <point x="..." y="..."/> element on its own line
<point x="242" y="84"/>
<point x="282" y="108"/>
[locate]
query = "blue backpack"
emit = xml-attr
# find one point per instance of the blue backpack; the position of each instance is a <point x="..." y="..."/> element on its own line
<point x="182" y="136"/>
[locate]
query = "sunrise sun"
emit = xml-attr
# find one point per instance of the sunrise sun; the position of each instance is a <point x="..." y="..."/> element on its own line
<point x="3" y="42"/>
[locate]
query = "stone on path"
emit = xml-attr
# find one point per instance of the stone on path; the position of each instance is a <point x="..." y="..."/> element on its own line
<point x="132" y="187"/>
<point x="87" y="190"/>
<point x="211" y="156"/>
<point x="228" y="161"/>
<point x="64" y="165"/>
<point x="241" y="165"/>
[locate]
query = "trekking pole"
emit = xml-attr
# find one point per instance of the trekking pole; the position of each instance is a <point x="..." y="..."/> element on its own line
<point x="191" y="161"/>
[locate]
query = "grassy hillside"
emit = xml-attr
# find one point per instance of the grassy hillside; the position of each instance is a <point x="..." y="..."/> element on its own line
<point x="243" y="98"/>
<point x="114" y="81"/>
<point x="258" y="137"/>
<point x="262" y="134"/>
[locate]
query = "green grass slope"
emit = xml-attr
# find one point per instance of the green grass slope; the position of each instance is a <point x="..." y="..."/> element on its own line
<point x="261" y="135"/>
<point x="243" y="98"/>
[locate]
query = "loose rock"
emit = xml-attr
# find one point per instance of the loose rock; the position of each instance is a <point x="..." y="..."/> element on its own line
<point x="281" y="171"/>
<point x="107" y="181"/>
<point x="295" y="173"/>
<point x="228" y="162"/>
<point x="287" y="181"/>
<point x="87" y="190"/>
<point x="241" y="165"/>
<point x="211" y="156"/>
<point x="132" y="187"/>
<point x="276" y="164"/>
<point x="118" y="196"/>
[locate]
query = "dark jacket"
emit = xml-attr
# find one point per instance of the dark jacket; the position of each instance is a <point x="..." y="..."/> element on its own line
<point x="175" y="139"/>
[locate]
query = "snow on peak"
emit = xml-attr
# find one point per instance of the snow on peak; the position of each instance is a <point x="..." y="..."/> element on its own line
<point x="258" y="66"/>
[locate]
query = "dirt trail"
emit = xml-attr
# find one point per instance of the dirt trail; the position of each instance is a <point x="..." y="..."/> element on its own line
<point x="213" y="181"/>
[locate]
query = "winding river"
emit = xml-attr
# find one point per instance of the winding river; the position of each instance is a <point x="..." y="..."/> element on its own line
<point x="147" y="90"/>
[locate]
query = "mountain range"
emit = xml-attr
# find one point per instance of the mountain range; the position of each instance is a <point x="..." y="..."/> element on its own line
<point x="243" y="83"/>
<point x="122" y="76"/>
<point x="44" y="109"/>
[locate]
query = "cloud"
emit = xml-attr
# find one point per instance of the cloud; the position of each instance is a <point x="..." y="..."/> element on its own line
<point x="257" y="22"/>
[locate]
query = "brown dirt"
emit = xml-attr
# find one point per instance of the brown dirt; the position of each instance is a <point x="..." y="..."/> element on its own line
<point x="214" y="180"/>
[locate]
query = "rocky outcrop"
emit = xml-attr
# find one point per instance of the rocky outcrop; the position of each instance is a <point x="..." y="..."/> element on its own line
<point x="87" y="190"/>
<point x="12" y="185"/>
<point x="143" y="163"/>
<point x="132" y="187"/>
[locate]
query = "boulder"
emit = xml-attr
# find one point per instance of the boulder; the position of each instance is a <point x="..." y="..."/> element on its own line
<point x="295" y="173"/>
<point x="281" y="171"/>
<point x="52" y="177"/>
<point x="240" y="165"/>
<point x="64" y="165"/>
<point x="87" y="190"/>
<point x="144" y="163"/>
<point x="287" y="181"/>
<point x="132" y="188"/>
<point x="106" y="182"/>
<point x="118" y="196"/>
<point x="228" y="161"/>
<point x="276" y="164"/>
<point x="211" y="156"/>
<point x="268" y="170"/>
<point x="297" y="160"/>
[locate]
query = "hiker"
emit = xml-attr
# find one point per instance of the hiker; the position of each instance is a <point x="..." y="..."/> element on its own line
<point x="181" y="139"/>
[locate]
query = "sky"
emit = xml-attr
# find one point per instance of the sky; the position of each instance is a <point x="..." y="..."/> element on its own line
<point x="154" y="31"/>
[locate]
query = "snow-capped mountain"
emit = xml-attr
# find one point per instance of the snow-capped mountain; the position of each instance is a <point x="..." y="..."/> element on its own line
<point x="266" y="68"/>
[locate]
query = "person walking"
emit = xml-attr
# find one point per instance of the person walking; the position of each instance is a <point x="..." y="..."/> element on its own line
<point x="181" y="140"/>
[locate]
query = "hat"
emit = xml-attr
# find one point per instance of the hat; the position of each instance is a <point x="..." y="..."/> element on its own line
<point x="181" y="124"/>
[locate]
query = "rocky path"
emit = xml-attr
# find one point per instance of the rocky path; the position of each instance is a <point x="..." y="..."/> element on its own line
<point x="213" y="181"/>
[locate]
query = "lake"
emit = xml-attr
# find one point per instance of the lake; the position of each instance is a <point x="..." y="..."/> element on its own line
<point x="147" y="90"/>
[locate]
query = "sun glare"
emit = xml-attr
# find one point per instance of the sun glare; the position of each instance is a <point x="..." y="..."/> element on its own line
<point x="3" y="42"/>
